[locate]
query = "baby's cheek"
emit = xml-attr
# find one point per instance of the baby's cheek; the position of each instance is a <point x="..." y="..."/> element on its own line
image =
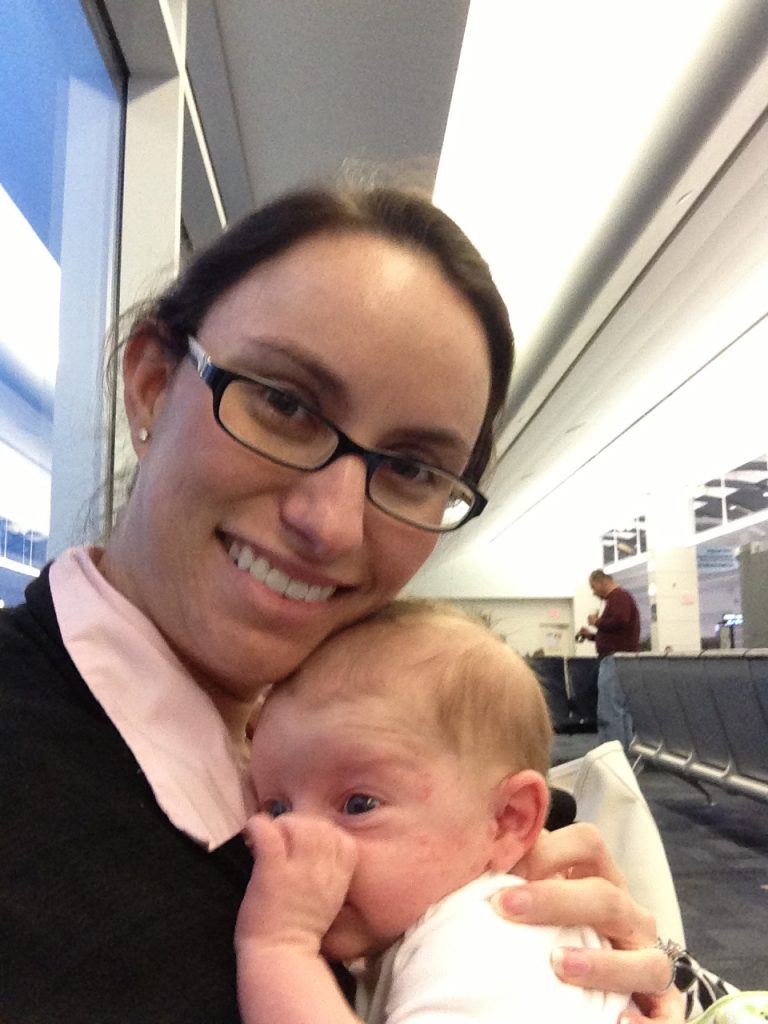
<point x="449" y="861"/>
<point x="434" y="856"/>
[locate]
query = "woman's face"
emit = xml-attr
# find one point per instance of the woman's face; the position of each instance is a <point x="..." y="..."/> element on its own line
<point x="372" y="335"/>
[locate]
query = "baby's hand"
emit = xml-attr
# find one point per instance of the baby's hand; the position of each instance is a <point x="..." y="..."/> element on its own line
<point x="301" y="873"/>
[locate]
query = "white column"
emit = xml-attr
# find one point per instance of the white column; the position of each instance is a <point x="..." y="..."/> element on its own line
<point x="672" y="574"/>
<point x="154" y="150"/>
<point x="87" y="251"/>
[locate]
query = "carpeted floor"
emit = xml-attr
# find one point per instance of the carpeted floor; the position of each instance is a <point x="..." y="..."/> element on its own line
<point x="719" y="860"/>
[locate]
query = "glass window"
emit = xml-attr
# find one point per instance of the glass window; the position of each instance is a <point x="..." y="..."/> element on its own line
<point x="719" y="589"/>
<point x="708" y="505"/>
<point x="747" y="489"/>
<point x="740" y="492"/>
<point x="609" y="547"/>
<point x="624" y="542"/>
<point x="60" y="142"/>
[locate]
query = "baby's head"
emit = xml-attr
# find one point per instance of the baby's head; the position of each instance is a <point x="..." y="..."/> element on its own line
<point x="425" y="737"/>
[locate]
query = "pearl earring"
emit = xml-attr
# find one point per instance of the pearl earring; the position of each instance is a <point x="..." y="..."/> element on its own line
<point x="143" y="435"/>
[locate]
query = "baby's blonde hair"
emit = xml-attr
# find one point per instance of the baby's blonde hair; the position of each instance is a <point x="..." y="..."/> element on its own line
<point x="484" y="702"/>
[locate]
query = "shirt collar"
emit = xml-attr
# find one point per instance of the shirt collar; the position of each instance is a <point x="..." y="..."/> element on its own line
<point x="169" y="723"/>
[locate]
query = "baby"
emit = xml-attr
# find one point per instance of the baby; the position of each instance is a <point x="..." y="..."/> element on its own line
<point x="410" y="751"/>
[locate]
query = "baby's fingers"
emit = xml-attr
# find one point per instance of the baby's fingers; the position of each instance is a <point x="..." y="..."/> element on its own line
<point x="265" y="842"/>
<point x="316" y="841"/>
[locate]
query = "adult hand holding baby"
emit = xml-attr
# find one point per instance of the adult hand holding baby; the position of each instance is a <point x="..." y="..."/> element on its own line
<point x="574" y="879"/>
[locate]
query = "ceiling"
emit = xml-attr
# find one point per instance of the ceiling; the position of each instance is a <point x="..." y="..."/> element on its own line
<point x="314" y="87"/>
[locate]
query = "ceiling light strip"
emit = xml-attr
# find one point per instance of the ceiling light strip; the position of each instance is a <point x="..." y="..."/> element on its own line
<point x="632" y="425"/>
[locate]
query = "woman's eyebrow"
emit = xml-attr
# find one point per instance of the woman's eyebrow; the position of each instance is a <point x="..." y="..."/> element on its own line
<point x="294" y="354"/>
<point x="435" y="437"/>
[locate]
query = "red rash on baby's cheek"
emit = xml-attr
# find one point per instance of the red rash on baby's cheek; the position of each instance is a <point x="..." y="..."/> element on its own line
<point x="429" y="847"/>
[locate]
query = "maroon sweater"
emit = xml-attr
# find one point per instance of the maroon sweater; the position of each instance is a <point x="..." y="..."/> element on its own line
<point x="618" y="628"/>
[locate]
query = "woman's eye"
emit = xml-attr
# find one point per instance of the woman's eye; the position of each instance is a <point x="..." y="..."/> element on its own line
<point x="360" y="803"/>
<point x="282" y="402"/>
<point x="274" y="808"/>
<point x="409" y="470"/>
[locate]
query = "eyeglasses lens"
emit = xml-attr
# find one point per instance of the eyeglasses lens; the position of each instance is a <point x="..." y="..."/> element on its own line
<point x="278" y="426"/>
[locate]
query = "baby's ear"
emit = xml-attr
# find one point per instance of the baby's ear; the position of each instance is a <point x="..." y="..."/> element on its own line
<point x="521" y="804"/>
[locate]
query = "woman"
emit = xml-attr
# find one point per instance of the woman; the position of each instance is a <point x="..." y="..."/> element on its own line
<point x="311" y="404"/>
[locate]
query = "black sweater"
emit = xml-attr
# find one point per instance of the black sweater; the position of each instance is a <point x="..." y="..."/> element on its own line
<point x="108" y="914"/>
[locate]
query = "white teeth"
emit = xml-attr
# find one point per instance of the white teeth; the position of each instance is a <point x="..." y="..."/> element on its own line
<point x="244" y="559"/>
<point x="276" y="579"/>
<point x="297" y="590"/>
<point x="259" y="569"/>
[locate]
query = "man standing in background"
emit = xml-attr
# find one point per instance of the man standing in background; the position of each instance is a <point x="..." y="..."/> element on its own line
<point x="616" y="628"/>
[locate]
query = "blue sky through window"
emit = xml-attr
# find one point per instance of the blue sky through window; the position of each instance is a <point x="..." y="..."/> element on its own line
<point x="43" y="43"/>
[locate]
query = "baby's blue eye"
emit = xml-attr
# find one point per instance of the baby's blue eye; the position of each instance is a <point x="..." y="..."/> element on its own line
<point x="360" y="803"/>
<point x="274" y="808"/>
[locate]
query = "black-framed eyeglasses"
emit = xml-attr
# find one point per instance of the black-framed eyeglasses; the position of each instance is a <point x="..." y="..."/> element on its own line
<point x="271" y="421"/>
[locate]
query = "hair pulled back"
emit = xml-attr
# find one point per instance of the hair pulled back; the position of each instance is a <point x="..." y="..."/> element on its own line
<point x="402" y="216"/>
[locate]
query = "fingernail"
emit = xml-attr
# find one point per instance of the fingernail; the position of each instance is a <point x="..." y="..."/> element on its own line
<point x="569" y="961"/>
<point x="512" y="902"/>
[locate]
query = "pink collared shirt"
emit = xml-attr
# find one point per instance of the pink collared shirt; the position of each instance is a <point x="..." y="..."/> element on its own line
<point x="169" y="723"/>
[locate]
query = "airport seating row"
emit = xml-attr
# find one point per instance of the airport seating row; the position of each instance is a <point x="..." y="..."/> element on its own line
<point x="703" y="715"/>
<point x="570" y="688"/>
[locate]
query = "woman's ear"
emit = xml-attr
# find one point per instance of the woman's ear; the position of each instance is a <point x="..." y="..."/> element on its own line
<point x="521" y="804"/>
<point x="147" y="373"/>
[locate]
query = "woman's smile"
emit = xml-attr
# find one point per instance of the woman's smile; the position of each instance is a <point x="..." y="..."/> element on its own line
<point x="275" y="579"/>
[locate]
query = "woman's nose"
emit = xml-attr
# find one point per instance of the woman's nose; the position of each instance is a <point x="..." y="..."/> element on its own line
<point x="324" y="509"/>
